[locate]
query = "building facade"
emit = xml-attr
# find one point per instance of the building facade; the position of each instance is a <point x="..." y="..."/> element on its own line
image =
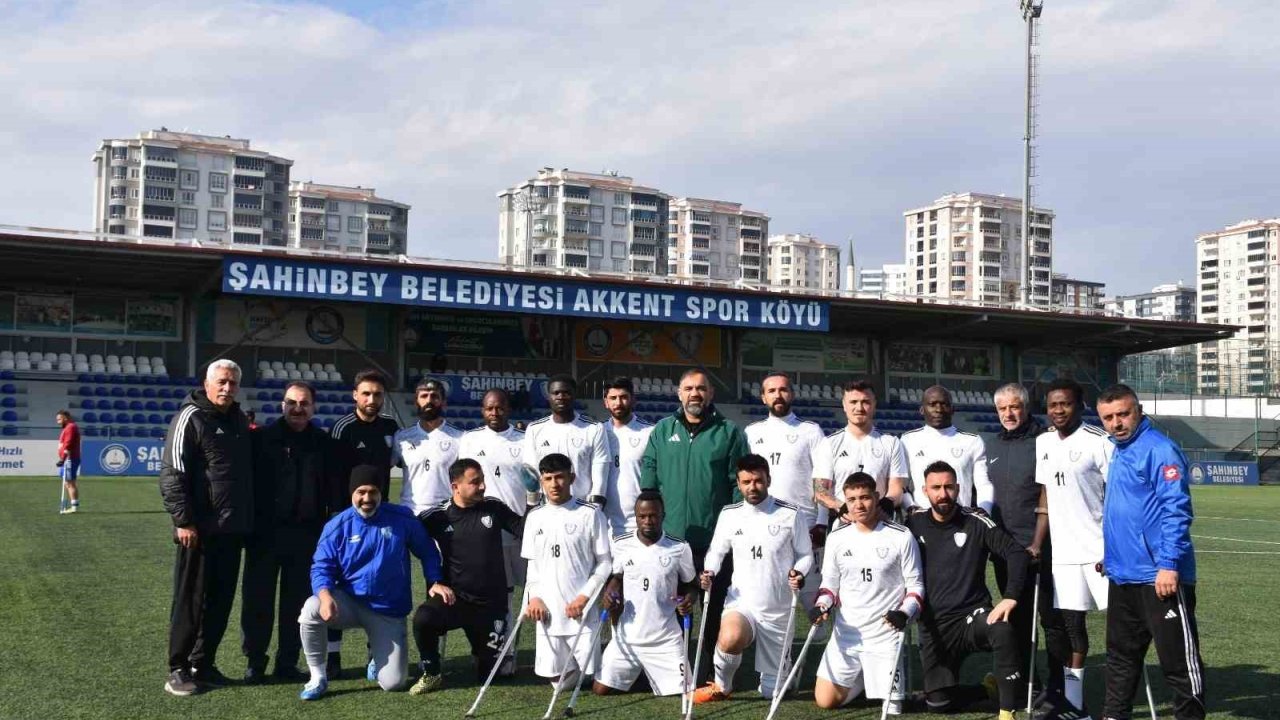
<point x="1160" y="372"/>
<point x="1068" y="293"/>
<point x="717" y="240"/>
<point x="1172" y="301"/>
<point x="1237" y="285"/>
<point x="889" y="280"/>
<point x="185" y="186"/>
<point x="969" y="246"/>
<point x="803" y="261"/>
<point x="352" y="219"/>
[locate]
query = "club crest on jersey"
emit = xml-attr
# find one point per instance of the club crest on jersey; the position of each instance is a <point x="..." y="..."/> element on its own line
<point x="385" y="532"/>
<point x="514" y="450"/>
<point x="577" y="442"/>
<point x="445" y="445"/>
<point x="571" y="528"/>
<point x="665" y="560"/>
<point x="1171" y="473"/>
<point x="957" y="452"/>
<point x="635" y="441"/>
<point x="883" y="552"/>
<point x="775" y="529"/>
<point x="487" y="521"/>
<point x="876" y="451"/>
<point x="792" y="438"/>
<point x="1075" y="455"/>
<point x="960" y="538"/>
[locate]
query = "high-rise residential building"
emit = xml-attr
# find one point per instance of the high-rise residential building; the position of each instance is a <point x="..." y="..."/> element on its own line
<point x="1068" y="293"/>
<point x="969" y="246"/>
<point x="355" y="219"/>
<point x="1171" y="301"/>
<point x="1236" y="285"/>
<point x="803" y="261"/>
<point x="593" y="221"/>
<point x="889" y="280"/>
<point x="166" y="184"/>
<point x="718" y="240"/>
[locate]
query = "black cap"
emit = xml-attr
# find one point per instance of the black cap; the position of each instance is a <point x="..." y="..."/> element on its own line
<point x="362" y="475"/>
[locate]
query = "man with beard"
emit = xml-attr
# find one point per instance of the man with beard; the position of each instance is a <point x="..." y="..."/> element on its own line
<point x="426" y="449"/>
<point x="692" y="459"/>
<point x="360" y="577"/>
<point x="769" y="541"/>
<point x="206" y="483"/>
<point x="469" y="529"/>
<point x="627" y="436"/>
<point x="653" y="579"/>
<point x="1072" y="475"/>
<point x="860" y="447"/>
<point x="574" y="435"/>
<point x="69" y="459"/>
<point x="958" y="618"/>
<point x="940" y="440"/>
<point x="292" y="501"/>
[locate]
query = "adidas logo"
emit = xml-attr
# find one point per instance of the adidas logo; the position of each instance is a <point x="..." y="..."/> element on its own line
<point x="449" y="529"/>
<point x="675" y="437"/>
<point x="739" y="532"/>
<point x="1171" y="615"/>
<point x="843" y="453"/>
<point x="480" y="454"/>
<point x="919" y="453"/>
<point x="631" y="563"/>
<point x="538" y="533"/>
<point x="360" y="445"/>
<point x="847" y="553"/>
<point x="1046" y="456"/>
<point x="760" y="441"/>
<point x="546" y="443"/>
<point x="219" y="432"/>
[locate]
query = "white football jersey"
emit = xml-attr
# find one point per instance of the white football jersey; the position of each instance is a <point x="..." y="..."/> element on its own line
<point x="425" y="458"/>
<point x="876" y="454"/>
<point x="791" y="447"/>
<point x="651" y="576"/>
<point x="767" y="541"/>
<point x="582" y="441"/>
<point x="1073" y="471"/>
<point x="963" y="451"/>
<point x="501" y="455"/>
<point x="626" y="450"/>
<point x="871" y="572"/>
<point x="565" y="544"/>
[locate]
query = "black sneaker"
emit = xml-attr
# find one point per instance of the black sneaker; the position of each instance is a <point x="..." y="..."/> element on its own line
<point x="290" y="674"/>
<point x="210" y="677"/>
<point x="333" y="667"/>
<point x="180" y="683"/>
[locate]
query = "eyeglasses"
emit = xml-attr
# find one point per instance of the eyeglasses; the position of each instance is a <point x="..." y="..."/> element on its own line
<point x="296" y="403"/>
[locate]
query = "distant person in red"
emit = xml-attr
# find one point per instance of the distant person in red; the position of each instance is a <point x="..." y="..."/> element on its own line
<point x="252" y="417"/>
<point x="69" y="459"/>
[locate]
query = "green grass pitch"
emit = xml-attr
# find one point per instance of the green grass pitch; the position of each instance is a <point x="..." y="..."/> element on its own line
<point x="84" y="602"/>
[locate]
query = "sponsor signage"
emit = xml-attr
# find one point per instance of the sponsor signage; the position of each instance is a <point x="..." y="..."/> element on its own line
<point x="1224" y="472"/>
<point x="121" y="457"/>
<point x="28" y="457"/>
<point x="468" y="389"/>
<point x="426" y="287"/>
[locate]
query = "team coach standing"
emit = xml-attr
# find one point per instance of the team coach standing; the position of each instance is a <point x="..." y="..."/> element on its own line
<point x="1151" y="565"/>
<point x="692" y="458"/>
<point x="206" y="482"/>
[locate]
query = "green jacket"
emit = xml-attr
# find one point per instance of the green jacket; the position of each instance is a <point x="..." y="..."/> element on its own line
<point x="696" y="475"/>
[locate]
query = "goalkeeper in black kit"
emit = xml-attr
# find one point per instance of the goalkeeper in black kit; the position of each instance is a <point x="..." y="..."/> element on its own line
<point x="958" y="618"/>
<point x="468" y="527"/>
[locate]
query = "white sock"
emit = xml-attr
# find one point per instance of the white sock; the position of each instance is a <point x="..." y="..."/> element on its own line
<point x="1073" y="686"/>
<point x="317" y="673"/>
<point x="726" y="666"/>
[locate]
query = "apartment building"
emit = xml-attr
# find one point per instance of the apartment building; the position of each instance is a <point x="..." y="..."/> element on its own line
<point x="802" y="261"/>
<point x="1171" y="301"/>
<point x="353" y="219"/>
<point x="969" y="246"/>
<point x="717" y="240"/>
<point x="1068" y="293"/>
<point x="889" y="280"/>
<point x="186" y="186"/>
<point x="1237" y="285"/>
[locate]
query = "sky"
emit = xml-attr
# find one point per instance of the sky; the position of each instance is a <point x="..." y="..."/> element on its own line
<point x="1157" y="118"/>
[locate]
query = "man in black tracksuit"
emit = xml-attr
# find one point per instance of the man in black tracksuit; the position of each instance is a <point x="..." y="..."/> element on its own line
<point x="293" y="498"/>
<point x="1020" y="510"/>
<point x="206" y="483"/>
<point x="468" y="528"/>
<point x="958" y="618"/>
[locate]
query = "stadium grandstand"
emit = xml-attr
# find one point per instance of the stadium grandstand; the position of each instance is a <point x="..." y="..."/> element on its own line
<point x="119" y="330"/>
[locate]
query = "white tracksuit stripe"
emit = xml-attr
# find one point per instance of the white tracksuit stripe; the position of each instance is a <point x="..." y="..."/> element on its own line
<point x="1189" y="647"/>
<point x="180" y="429"/>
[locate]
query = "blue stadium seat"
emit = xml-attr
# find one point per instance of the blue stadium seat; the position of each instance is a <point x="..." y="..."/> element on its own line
<point x="100" y="404"/>
<point x="90" y="431"/>
<point x="9" y="416"/>
<point x="155" y="419"/>
<point x="266" y="408"/>
<point x="169" y="406"/>
<point x="133" y="392"/>
<point x="119" y="405"/>
<point x="168" y="418"/>
<point x="151" y="406"/>
<point x="117" y="391"/>
<point x="9" y="430"/>
<point x="164" y="392"/>
<point x="86" y="391"/>
<point x="101" y="391"/>
<point x="157" y="432"/>
<point x="124" y="431"/>
<point x="90" y="417"/>
<point x="148" y="392"/>
<point x="9" y="402"/>
<point x="122" y="417"/>
<point x="136" y="405"/>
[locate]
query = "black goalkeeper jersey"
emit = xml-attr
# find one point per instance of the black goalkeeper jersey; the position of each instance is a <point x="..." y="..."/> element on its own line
<point x="955" y="555"/>
<point x="357" y="442"/>
<point x="470" y="541"/>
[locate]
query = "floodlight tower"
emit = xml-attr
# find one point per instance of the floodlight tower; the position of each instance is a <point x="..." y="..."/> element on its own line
<point x="1031" y="10"/>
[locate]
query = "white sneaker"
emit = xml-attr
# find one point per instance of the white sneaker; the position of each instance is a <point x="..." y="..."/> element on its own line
<point x="73" y="508"/>
<point x="766" y="686"/>
<point x="895" y="707"/>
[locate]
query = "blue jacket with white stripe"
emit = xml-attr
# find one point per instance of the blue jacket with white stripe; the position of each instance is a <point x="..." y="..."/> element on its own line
<point x="1146" y="519"/>
<point x="369" y="559"/>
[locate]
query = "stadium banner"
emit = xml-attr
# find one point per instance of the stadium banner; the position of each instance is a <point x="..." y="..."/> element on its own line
<point x="280" y="323"/>
<point x="1224" y="472"/>
<point x="20" y="456"/>
<point x="804" y="353"/>
<point x="482" y="335"/>
<point x="99" y="315"/>
<point x="489" y="293"/>
<point x="469" y="388"/>
<point x="120" y="457"/>
<point x="625" y="342"/>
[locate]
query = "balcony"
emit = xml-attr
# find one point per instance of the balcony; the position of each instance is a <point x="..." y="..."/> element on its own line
<point x="748" y="260"/>
<point x="252" y="184"/>
<point x="251" y="164"/>
<point x="379" y="240"/>
<point x="645" y="216"/>
<point x="643" y="250"/>
<point x="701" y="244"/>
<point x="247" y="221"/>
<point x="312" y="235"/>
<point x="248" y="202"/>
<point x="575" y="245"/>
<point x="642" y="266"/>
<point x="157" y="231"/>
<point x="246" y="239"/>
<point x="157" y="213"/>
<point x="161" y="155"/>
<point x="162" y="194"/>
<point x="749" y="233"/>
<point x="700" y="229"/>
<point x="160" y="174"/>
<point x="313" y="204"/>
<point x="575" y="194"/>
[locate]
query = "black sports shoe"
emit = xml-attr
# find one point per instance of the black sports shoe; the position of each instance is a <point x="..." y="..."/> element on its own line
<point x="210" y="677"/>
<point x="290" y="674"/>
<point x="333" y="667"/>
<point x="255" y="674"/>
<point x="180" y="683"/>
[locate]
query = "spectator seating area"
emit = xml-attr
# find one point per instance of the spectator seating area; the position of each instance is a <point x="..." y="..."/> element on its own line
<point x="109" y="406"/>
<point x="278" y="373"/>
<point x="13" y="407"/>
<point x="806" y="395"/>
<point x="23" y="361"/>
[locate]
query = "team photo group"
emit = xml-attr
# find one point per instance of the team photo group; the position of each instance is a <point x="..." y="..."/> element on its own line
<point x="657" y="557"/>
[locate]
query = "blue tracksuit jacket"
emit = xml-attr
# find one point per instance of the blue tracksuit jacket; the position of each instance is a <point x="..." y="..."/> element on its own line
<point x="1146" y="518"/>
<point x="369" y="559"/>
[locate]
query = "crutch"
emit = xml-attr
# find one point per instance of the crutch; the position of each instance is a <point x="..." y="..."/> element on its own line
<point x="506" y="646"/>
<point x="573" y="699"/>
<point x="686" y="698"/>
<point x="1035" y="618"/>
<point x="1151" y="699"/>
<point x="573" y="658"/>
<point x="893" y="682"/>
<point x="777" y="696"/>
<point x="62" y="499"/>
<point x="697" y="656"/>
<point x="784" y="655"/>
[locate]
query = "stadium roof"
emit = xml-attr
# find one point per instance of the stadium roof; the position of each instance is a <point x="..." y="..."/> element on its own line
<point x="36" y="260"/>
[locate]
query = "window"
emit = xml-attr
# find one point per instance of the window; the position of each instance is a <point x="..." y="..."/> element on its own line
<point x="217" y="220"/>
<point x="619" y="216"/>
<point x="333" y="223"/>
<point x="619" y="198"/>
<point x="619" y="249"/>
<point x="215" y="200"/>
<point x="334" y="206"/>
<point x="186" y="217"/>
<point x="217" y="182"/>
<point x="596" y="229"/>
<point x="133" y="193"/>
<point x="187" y="197"/>
<point x="597" y="213"/>
<point x="133" y="173"/>
<point x="189" y="179"/>
<point x="119" y="173"/>
<point x="355" y="224"/>
<point x="595" y="248"/>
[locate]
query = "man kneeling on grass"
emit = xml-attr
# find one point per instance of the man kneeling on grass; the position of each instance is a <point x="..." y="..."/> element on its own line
<point x="361" y="578"/>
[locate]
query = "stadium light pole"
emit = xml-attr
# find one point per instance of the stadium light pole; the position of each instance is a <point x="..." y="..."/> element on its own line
<point x="1031" y="10"/>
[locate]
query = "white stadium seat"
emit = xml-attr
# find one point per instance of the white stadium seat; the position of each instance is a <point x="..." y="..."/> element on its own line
<point x="291" y="367"/>
<point x="6" y="354"/>
<point x="267" y="374"/>
<point x="303" y="367"/>
<point x="44" y="365"/>
<point x="308" y="375"/>
<point x="277" y="366"/>
<point x="330" y="368"/>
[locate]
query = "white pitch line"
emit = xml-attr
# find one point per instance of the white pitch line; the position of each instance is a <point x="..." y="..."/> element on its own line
<point x="1211" y="537"/>
<point x="1240" y="552"/>
<point x="1233" y="519"/>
